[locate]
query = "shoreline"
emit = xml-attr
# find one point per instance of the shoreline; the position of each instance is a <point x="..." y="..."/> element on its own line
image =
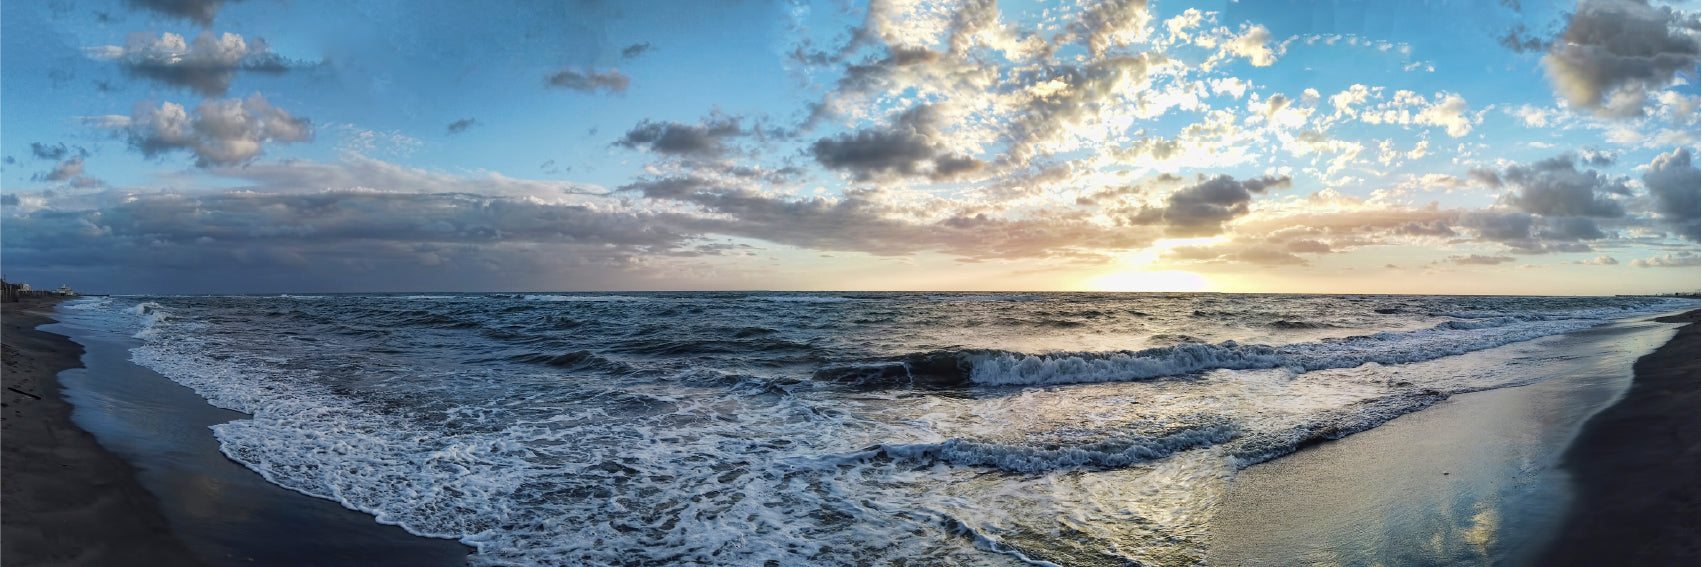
<point x="64" y="498"/>
<point x="218" y="509"/>
<point x="1635" y="466"/>
<point x="1477" y="478"/>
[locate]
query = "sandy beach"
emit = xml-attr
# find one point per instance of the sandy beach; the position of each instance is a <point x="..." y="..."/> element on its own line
<point x="65" y="500"/>
<point x="1512" y="476"/>
<point x="1635" y="466"/>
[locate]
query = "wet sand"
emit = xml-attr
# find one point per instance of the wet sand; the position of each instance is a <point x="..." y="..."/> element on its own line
<point x="64" y="499"/>
<point x="1636" y="466"/>
<point x="223" y="512"/>
<point x="1482" y="478"/>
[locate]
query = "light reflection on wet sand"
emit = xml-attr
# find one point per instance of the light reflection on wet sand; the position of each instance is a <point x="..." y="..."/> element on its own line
<point x="1470" y="481"/>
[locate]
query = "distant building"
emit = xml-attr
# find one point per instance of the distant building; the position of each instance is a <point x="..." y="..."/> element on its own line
<point x="65" y="290"/>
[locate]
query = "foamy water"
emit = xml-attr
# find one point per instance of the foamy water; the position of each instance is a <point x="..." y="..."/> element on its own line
<point x="739" y="429"/>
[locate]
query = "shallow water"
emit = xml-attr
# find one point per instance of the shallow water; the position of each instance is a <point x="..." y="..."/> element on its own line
<point x="722" y="428"/>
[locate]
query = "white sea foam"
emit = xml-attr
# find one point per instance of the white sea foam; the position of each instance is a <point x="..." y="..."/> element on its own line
<point x="86" y="304"/>
<point x="804" y="298"/>
<point x="581" y="298"/>
<point x="691" y="463"/>
<point x="1445" y="339"/>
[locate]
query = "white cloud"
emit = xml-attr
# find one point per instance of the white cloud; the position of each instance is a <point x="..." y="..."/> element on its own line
<point x="219" y="132"/>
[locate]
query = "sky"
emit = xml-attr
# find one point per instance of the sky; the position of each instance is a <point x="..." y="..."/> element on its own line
<point x="261" y="146"/>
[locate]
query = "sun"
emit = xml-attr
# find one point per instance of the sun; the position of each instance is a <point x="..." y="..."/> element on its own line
<point x="1164" y="280"/>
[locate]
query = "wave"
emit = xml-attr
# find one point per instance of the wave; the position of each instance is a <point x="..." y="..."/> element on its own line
<point x="1114" y="450"/>
<point x="591" y="298"/>
<point x="984" y="298"/>
<point x="805" y="298"/>
<point x="576" y="360"/>
<point x="1286" y="324"/>
<point x="1008" y="368"/>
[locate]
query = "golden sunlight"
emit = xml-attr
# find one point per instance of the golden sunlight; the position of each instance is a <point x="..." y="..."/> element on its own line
<point x="1165" y="280"/>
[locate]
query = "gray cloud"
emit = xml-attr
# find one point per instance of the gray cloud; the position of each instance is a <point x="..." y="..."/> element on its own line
<point x="462" y="125"/>
<point x="364" y="239"/>
<point x="1435" y="228"/>
<point x="1114" y="23"/>
<point x="201" y="12"/>
<point x="1571" y="228"/>
<point x="1555" y="205"/>
<point x="1201" y="209"/>
<point x="636" y="50"/>
<point x="206" y="65"/>
<point x="69" y="170"/>
<point x="56" y="152"/>
<point x="590" y="81"/>
<point x="1556" y="187"/>
<point x="1475" y="259"/>
<point x="1676" y="184"/>
<point x="1614" y="50"/>
<point x="1236" y="252"/>
<point x="1526" y="233"/>
<point x="691" y="140"/>
<point x="1500" y="227"/>
<point x="872" y="221"/>
<point x="1518" y="40"/>
<point x="1308" y="247"/>
<point x="219" y="132"/>
<point x="1680" y="260"/>
<point x="911" y="147"/>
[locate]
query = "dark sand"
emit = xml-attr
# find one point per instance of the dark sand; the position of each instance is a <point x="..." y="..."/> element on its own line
<point x="1636" y="465"/>
<point x="1474" y="480"/>
<point x="220" y="510"/>
<point x="65" y="500"/>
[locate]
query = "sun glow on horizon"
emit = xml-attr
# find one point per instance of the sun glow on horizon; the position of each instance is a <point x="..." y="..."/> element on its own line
<point x="1163" y="280"/>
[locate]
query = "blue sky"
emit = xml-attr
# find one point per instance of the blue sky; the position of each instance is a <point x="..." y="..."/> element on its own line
<point x="265" y="145"/>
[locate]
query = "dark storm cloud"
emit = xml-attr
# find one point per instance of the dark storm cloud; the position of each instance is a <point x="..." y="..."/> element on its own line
<point x="1676" y="185"/>
<point x="1201" y="209"/>
<point x="462" y="125"/>
<point x="590" y="81"/>
<point x="690" y="140"/>
<point x="1621" y="47"/>
<point x="218" y="132"/>
<point x="201" y="12"/>
<point x="636" y="50"/>
<point x="910" y="147"/>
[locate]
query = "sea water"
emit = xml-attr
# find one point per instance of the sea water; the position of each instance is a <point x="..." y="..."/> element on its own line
<point x="819" y="428"/>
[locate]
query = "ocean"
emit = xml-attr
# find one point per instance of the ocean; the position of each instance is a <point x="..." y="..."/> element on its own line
<point x="762" y="428"/>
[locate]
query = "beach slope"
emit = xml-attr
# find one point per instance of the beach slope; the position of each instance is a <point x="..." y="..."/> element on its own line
<point x="1635" y="466"/>
<point x="64" y="500"/>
